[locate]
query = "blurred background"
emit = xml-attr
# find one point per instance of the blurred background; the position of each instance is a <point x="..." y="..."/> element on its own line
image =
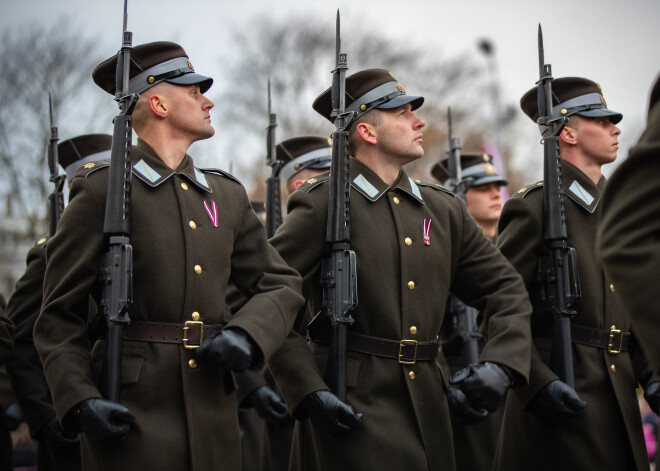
<point x="476" y="56"/>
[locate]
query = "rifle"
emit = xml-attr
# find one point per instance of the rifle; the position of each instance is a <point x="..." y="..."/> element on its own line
<point x="56" y="198"/>
<point x="273" y="199"/>
<point x="465" y="333"/>
<point x="117" y="267"/>
<point x="558" y="272"/>
<point x="339" y="271"/>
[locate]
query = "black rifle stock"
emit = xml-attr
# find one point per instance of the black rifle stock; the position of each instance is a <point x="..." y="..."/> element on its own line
<point x="56" y="198"/>
<point x="339" y="271"/>
<point x="273" y="198"/>
<point x="558" y="273"/>
<point x="117" y="267"/>
<point x="465" y="333"/>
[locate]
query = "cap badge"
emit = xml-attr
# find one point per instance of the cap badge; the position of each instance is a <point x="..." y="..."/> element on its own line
<point x="485" y="157"/>
<point x="426" y="229"/>
<point x="602" y="100"/>
<point x="190" y="65"/>
<point x="212" y="212"/>
<point x="489" y="169"/>
<point x="398" y="85"/>
<point x="391" y="75"/>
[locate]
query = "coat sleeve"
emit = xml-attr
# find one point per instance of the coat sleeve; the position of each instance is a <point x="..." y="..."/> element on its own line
<point x="519" y="239"/>
<point x="24" y="366"/>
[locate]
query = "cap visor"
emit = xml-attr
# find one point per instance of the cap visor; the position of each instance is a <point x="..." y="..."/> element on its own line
<point x="490" y="179"/>
<point x="603" y="112"/>
<point x="400" y="100"/>
<point x="191" y="79"/>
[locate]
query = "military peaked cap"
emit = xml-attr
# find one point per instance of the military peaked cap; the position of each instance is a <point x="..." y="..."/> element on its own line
<point x="152" y="63"/>
<point x="477" y="168"/>
<point x="77" y="151"/>
<point x="571" y="95"/>
<point x="368" y="89"/>
<point x="304" y="152"/>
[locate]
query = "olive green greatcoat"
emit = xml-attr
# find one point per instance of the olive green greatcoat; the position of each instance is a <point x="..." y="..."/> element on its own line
<point x="24" y="366"/>
<point x="185" y="414"/>
<point x="401" y="283"/>
<point x="6" y="344"/>
<point x="629" y="242"/>
<point x="608" y="434"/>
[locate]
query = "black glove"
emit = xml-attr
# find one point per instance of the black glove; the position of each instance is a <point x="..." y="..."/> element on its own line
<point x="461" y="411"/>
<point x="328" y="413"/>
<point x="485" y="384"/>
<point x="101" y="420"/>
<point x="652" y="396"/>
<point x="53" y="435"/>
<point x="12" y="417"/>
<point x="557" y="399"/>
<point x="268" y="403"/>
<point x="232" y="349"/>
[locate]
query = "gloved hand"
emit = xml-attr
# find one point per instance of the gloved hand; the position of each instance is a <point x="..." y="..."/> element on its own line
<point x="557" y="399"/>
<point x="652" y="396"/>
<point x="230" y="348"/>
<point x="101" y="420"/>
<point x="328" y="413"/>
<point x="53" y="435"/>
<point x="461" y="411"/>
<point x="484" y="384"/>
<point x="268" y="403"/>
<point x="12" y="417"/>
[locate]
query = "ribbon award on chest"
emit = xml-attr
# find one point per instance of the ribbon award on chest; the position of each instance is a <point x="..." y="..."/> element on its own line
<point x="212" y="211"/>
<point x="426" y="228"/>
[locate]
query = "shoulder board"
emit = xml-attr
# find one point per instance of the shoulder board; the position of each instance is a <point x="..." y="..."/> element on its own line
<point x="90" y="167"/>
<point x="525" y="190"/>
<point x="313" y="182"/>
<point x="42" y="242"/>
<point x="222" y="173"/>
<point x="435" y="186"/>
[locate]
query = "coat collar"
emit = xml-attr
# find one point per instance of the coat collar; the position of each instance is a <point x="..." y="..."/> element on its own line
<point x="149" y="168"/>
<point x="370" y="185"/>
<point x="579" y="188"/>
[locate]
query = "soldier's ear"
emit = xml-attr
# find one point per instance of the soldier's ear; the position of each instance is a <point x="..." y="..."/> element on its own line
<point x="297" y="183"/>
<point x="158" y="105"/>
<point x="367" y="132"/>
<point x="568" y="135"/>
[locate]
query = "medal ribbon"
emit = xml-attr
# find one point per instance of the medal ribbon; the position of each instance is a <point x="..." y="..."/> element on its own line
<point x="426" y="227"/>
<point x="212" y="212"/>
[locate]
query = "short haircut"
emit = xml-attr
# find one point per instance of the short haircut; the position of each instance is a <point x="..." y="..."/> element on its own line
<point x="373" y="117"/>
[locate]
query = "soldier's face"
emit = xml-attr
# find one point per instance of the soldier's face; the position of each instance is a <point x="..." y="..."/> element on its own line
<point x="399" y="134"/>
<point x="598" y="139"/>
<point x="484" y="202"/>
<point x="189" y="112"/>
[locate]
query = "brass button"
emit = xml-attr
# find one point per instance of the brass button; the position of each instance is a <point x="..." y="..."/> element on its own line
<point x="613" y="368"/>
<point x="192" y="225"/>
<point x="411" y="375"/>
<point x="198" y="269"/>
<point x="184" y="185"/>
<point x="612" y="287"/>
<point x="195" y="316"/>
<point x="192" y="363"/>
<point x="413" y="330"/>
<point x="613" y="327"/>
<point x="396" y="200"/>
<point x="411" y="285"/>
<point x="408" y="241"/>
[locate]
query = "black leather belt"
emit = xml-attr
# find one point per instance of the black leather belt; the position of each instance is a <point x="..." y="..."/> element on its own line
<point x="191" y="333"/>
<point x="614" y="340"/>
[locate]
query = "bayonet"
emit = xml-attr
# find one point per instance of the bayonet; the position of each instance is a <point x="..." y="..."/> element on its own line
<point x="56" y="198"/>
<point x="273" y="198"/>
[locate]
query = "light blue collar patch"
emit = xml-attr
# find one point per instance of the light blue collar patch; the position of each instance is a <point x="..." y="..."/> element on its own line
<point x="415" y="189"/>
<point x="582" y="194"/>
<point x="201" y="178"/>
<point x="365" y="186"/>
<point x="147" y="172"/>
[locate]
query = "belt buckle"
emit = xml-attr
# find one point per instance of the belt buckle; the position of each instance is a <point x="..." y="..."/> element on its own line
<point x="610" y="349"/>
<point x="186" y="328"/>
<point x="403" y="343"/>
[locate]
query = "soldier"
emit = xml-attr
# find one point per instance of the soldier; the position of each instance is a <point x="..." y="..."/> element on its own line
<point x="628" y="243"/>
<point x="546" y="425"/>
<point x="56" y="449"/>
<point x="193" y="230"/>
<point x="475" y="436"/>
<point x="414" y="243"/>
<point x="303" y="157"/>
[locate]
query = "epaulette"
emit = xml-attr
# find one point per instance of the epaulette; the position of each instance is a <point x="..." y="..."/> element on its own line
<point x="313" y="182"/>
<point x="222" y="173"/>
<point x="435" y="186"/>
<point x="525" y="190"/>
<point x="42" y="242"/>
<point x="90" y="167"/>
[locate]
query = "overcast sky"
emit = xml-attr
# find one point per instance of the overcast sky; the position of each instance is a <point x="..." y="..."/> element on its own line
<point x="611" y="42"/>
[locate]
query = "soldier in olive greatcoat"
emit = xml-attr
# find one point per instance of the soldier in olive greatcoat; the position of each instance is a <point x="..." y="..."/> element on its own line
<point x="596" y="425"/>
<point x="414" y="242"/>
<point x="192" y="231"/>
